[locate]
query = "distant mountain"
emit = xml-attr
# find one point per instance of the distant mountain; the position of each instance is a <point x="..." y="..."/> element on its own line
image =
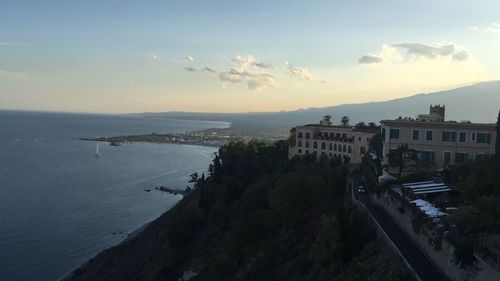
<point x="478" y="103"/>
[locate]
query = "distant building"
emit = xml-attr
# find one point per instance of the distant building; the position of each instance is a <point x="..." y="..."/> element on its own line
<point x="438" y="142"/>
<point x="331" y="141"/>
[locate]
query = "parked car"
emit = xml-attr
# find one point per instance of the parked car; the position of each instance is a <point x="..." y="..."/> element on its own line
<point x="361" y="189"/>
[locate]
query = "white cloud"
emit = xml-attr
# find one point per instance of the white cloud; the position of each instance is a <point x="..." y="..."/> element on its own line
<point x="412" y="52"/>
<point x="493" y="28"/>
<point x="246" y="70"/>
<point x="6" y="43"/>
<point x="155" y="56"/>
<point x="299" y="72"/>
<point x="254" y="80"/>
<point x="242" y="62"/>
<point x="189" y="58"/>
<point x="14" y="75"/>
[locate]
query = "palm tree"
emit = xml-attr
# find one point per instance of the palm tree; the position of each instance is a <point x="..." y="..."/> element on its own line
<point x="345" y="121"/>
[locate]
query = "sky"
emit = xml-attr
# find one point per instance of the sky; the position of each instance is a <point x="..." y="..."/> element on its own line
<point x="121" y="56"/>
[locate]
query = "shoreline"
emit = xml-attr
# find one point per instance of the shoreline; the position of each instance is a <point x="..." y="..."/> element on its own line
<point x="127" y="239"/>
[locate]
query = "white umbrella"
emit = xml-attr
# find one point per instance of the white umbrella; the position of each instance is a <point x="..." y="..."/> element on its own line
<point x="420" y="203"/>
<point x="435" y="213"/>
<point x="427" y="208"/>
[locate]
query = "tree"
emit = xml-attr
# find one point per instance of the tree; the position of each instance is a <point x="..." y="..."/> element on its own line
<point x="400" y="157"/>
<point x="497" y="144"/>
<point x="345" y="121"/>
<point x="360" y="125"/>
<point x="194" y="177"/>
<point x="327" y="118"/>
<point x="376" y="145"/>
<point x="372" y="125"/>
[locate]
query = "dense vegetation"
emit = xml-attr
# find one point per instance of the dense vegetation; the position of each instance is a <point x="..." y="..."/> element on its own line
<point x="478" y="218"/>
<point x="257" y="216"/>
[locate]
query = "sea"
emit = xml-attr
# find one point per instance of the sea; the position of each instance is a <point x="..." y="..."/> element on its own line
<point x="60" y="205"/>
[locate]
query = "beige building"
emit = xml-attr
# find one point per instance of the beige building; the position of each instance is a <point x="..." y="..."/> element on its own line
<point x="331" y="141"/>
<point x="438" y="142"/>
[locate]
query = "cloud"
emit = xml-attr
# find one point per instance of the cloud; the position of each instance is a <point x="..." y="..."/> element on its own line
<point x="6" y="43"/>
<point x="254" y="80"/>
<point x="190" y="69"/>
<point x="14" y="75"/>
<point x="367" y="59"/>
<point x="155" y="56"/>
<point x="263" y="65"/>
<point x="493" y="28"/>
<point x="299" y="72"/>
<point x="246" y="69"/>
<point x="412" y="52"/>
<point x="431" y="50"/>
<point x="209" y="69"/>
<point x="248" y="61"/>
<point x="189" y="58"/>
<point x="461" y="56"/>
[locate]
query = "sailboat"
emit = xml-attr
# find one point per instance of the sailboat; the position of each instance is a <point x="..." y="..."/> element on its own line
<point x="97" y="154"/>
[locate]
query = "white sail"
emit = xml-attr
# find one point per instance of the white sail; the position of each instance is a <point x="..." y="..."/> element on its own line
<point x="97" y="154"/>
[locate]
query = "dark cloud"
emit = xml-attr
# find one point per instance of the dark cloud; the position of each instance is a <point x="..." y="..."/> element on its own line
<point x="209" y="69"/>
<point x="431" y="51"/>
<point x="263" y="65"/>
<point x="367" y="59"/>
<point x="190" y="69"/>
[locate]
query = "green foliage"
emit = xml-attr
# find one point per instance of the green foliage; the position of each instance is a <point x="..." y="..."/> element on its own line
<point x="344" y="121"/>
<point x="329" y="246"/>
<point x="377" y="262"/>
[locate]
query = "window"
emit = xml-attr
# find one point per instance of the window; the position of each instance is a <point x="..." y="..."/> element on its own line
<point x="300" y="143"/>
<point x="449" y="136"/>
<point x="323" y="145"/>
<point x="300" y="151"/>
<point x="394" y="134"/>
<point x="484" y="138"/>
<point x="359" y="138"/>
<point x="335" y="147"/>
<point x="308" y="135"/>
<point x="307" y="144"/>
<point x="461" y="157"/>
<point x="330" y="146"/>
<point x="344" y="149"/>
<point x="349" y="149"/>
<point x="315" y="144"/>
<point x="300" y="135"/>
<point x="473" y="136"/>
<point x="415" y="135"/>
<point x="428" y="135"/>
<point x="344" y="136"/>
<point x="307" y="151"/>
<point x="428" y="157"/>
<point x="383" y="133"/>
<point x="362" y="150"/>
<point x="447" y="157"/>
<point x="462" y="137"/>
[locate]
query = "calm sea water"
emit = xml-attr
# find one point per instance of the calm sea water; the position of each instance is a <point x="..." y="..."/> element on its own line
<point x="59" y="205"/>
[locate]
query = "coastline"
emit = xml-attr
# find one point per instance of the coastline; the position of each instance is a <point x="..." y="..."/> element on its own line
<point x="130" y="237"/>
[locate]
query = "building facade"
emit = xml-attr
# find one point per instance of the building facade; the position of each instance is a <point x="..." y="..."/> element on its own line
<point x="331" y="141"/>
<point x="437" y="142"/>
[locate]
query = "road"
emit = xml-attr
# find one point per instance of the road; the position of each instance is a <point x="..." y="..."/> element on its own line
<point x="423" y="267"/>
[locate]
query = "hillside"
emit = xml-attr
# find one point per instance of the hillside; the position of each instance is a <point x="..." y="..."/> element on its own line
<point x="258" y="216"/>
<point x="477" y="103"/>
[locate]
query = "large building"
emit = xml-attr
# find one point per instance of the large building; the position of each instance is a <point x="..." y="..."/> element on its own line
<point x="331" y="141"/>
<point x="437" y="142"/>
